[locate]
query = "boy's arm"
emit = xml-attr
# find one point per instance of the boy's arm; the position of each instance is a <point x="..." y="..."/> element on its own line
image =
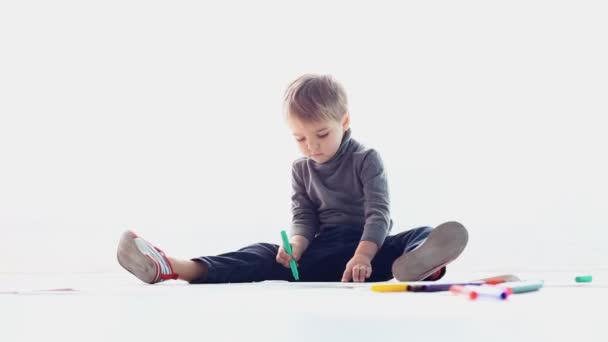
<point x="367" y="249"/>
<point x="377" y="202"/>
<point x="377" y="218"/>
<point x="298" y="245"/>
<point x="359" y="267"/>
<point x="305" y="220"/>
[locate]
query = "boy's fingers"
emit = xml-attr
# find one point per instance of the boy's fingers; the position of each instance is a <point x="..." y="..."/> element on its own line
<point x="282" y="258"/>
<point x="360" y="274"/>
<point x="347" y="276"/>
<point x="286" y="261"/>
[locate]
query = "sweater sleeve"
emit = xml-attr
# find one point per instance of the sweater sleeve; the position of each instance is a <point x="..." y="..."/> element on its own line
<point x="305" y="220"/>
<point x="377" y="203"/>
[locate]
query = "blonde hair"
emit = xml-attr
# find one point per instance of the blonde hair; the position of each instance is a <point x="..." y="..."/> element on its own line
<point x="315" y="98"/>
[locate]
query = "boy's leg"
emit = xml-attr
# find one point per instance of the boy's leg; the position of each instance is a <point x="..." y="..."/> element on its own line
<point x="327" y="255"/>
<point x="188" y="270"/>
<point x="421" y="259"/>
<point x="395" y="246"/>
<point x="151" y="265"/>
<point x="253" y="263"/>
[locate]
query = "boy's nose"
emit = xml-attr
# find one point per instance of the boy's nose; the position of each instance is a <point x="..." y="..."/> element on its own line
<point x="313" y="147"/>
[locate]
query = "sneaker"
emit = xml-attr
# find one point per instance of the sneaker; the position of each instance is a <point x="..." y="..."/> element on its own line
<point x="436" y="275"/>
<point x="442" y="246"/>
<point x="143" y="260"/>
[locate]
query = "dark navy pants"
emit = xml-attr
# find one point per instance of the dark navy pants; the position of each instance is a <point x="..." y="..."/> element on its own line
<point x="324" y="260"/>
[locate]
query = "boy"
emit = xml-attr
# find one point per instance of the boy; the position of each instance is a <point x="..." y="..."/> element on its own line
<point x="341" y="216"/>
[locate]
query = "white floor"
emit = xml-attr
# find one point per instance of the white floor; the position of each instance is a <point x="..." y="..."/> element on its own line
<point x="117" y="307"/>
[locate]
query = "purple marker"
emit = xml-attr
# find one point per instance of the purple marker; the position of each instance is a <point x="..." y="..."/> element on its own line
<point x="438" y="287"/>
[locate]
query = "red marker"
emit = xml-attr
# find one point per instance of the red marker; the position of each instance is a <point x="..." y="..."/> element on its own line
<point x="461" y="289"/>
<point x="490" y="291"/>
<point x="474" y="292"/>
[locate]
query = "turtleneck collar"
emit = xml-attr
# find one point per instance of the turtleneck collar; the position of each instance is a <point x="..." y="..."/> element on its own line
<point x="340" y="153"/>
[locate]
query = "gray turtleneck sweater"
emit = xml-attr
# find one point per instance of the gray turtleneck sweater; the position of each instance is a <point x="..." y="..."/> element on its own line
<point x="350" y="188"/>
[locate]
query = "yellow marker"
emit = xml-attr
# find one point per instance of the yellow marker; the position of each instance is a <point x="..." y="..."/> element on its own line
<point x="400" y="287"/>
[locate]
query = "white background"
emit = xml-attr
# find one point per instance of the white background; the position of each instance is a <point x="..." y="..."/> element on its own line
<point x="165" y="118"/>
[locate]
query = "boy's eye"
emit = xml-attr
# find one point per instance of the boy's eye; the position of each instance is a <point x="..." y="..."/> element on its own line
<point x="323" y="135"/>
<point x="299" y="139"/>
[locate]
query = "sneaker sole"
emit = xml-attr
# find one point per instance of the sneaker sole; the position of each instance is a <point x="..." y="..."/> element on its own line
<point x="133" y="260"/>
<point x="444" y="244"/>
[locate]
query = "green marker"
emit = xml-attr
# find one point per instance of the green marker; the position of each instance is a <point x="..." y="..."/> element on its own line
<point x="583" y="279"/>
<point x="292" y="262"/>
<point x="523" y="286"/>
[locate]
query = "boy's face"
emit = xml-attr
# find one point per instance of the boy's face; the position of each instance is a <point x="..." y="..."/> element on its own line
<point x="318" y="141"/>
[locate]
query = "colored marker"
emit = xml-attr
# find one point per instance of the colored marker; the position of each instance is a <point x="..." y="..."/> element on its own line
<point x="403" y="287"/>
<point x="292" y="262"/>
<point x="461" y="289"/>
<point x="474" y="292"/>
<point x="583" y="279"/>
<point x="399" y="287"/>
<point x="523" y="286"/>
<point x="490" y="291"/>
<point x="500" y="279"/>
<point x="439" y="287"/>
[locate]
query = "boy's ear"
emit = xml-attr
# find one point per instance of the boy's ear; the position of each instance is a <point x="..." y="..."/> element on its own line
<point x="345" y="121"/>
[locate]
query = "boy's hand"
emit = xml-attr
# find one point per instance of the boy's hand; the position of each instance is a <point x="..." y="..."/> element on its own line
<point x="358" y="269"/>
<point x="298" y="245"/>
<point x="283" y="258"/>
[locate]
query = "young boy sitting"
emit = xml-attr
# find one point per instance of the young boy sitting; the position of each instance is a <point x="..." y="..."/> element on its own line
<point x="341" y="215"/>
